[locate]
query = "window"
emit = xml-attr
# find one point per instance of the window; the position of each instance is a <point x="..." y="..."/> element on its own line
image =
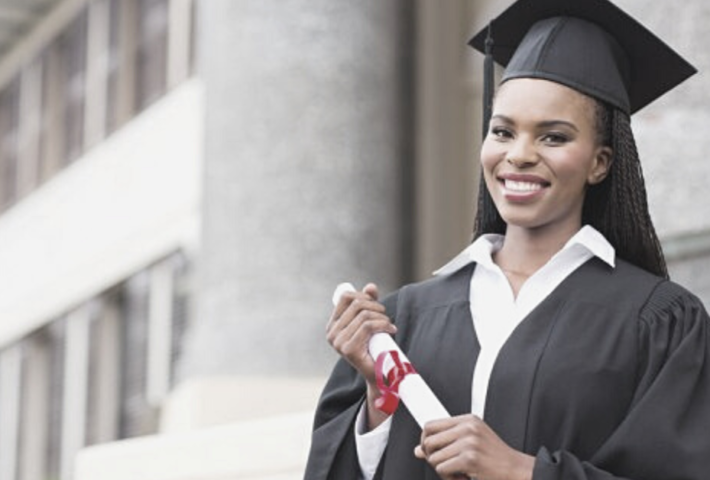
<point x="63" y="79"/>
<point x="9" y="113"/>
<point x="72" y="53"/>
<point x="104" y="374"/>
<point x="10" y="378"/>
<point x="30" y="120"/>
<point x="136" y="417"/>
<point x="52" y="338"/>
<point x="31" y="388"/>
<point x="112" y="60"/>
<point x="50" y="133"/>
<point x="151" y="68"/>
<point x="121" y="64"/>
<point x="96" y="77"/>
<point x="97" y="374"/>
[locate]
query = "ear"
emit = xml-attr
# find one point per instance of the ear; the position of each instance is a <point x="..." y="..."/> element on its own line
<point x="602" y="165"/>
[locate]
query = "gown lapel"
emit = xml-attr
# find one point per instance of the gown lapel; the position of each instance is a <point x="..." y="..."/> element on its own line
<point x="512" y="382"/>
<point x="444" y="347"/>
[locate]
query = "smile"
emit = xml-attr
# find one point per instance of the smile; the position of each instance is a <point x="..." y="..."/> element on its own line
<point x="523" y="187"/>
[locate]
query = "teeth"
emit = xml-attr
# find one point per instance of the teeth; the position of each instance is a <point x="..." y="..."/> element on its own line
<point x="522" y="186"/>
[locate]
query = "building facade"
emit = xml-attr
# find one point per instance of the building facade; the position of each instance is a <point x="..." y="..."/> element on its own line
<point x="183" y="183"/>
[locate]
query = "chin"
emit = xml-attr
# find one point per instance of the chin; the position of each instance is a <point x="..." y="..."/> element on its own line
<point x="529" y="222"/>
<point x="523" y="221"/>
<point x="526" y="224"/>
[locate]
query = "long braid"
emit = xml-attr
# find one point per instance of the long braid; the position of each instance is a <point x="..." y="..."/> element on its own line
<point x="618" y="207"/>
<point x="487" y="220"/>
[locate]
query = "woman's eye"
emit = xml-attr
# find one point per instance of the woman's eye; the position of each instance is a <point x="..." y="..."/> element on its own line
<point x="555" y="138"/>
<point x="501" y="132"/>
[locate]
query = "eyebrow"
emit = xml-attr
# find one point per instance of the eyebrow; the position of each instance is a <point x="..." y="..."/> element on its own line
<point x="543" y="124"/>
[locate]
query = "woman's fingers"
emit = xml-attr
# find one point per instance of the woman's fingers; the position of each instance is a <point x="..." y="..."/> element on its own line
<point x="419" y="452"/>
<point x="349" y="308"/>
<point x="467" y="445"/>
<point x="439" y="435"/>
<point x="372" y="291"/>
<point x="359" y="331"/>
<point x="452" y="445"/>
<point x="354" y="320"/>
<point x="351" y="302"/>
<point x="449" y="461"/>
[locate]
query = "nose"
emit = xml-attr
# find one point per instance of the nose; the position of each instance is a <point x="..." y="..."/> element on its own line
<point x="522" y="153"/>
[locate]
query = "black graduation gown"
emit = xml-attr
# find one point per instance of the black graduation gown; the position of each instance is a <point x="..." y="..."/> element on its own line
<point x="609" y="377"/>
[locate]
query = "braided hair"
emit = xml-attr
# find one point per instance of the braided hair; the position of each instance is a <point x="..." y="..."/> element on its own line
<point x="617" y="207"/>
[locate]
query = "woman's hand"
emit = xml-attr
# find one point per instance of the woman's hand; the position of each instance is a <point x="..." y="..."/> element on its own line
<point x="465" y="447"/>
<point x="355" y="319"/>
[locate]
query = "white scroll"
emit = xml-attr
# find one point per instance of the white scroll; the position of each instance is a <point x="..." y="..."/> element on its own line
<point x="413" y="391"/>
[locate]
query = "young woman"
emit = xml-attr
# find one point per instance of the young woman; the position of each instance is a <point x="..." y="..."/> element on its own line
<point x="555" y="340"/>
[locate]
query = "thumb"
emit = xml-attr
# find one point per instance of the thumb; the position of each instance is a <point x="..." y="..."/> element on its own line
<point x="419" y="452"/>
<point x="372" y="291"/>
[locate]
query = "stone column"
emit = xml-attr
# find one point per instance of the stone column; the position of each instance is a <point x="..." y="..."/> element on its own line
<point x="307" y="165"/>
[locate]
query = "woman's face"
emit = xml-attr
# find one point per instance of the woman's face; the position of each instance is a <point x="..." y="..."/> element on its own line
<point x="541" y="152"/>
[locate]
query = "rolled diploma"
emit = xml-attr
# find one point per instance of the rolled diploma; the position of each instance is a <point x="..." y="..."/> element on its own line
<point x="413" y="390"/>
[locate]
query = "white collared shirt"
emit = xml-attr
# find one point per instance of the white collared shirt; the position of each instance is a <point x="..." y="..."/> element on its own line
<point x="495" y="315"/>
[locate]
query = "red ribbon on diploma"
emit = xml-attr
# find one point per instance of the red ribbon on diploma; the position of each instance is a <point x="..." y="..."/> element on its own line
<point x="389" y="400"/>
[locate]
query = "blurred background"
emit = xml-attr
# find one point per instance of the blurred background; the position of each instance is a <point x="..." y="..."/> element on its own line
<point x="184" y="182"/>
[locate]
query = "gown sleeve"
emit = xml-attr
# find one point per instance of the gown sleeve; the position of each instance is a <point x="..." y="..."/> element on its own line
<point x="666" y="433"/>
<point x="333" y="453"/>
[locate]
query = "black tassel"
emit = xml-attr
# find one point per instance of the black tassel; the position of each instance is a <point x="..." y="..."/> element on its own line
<point x="488" y="80"/>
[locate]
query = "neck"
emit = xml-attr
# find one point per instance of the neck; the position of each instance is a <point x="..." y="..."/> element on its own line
<point x="525" y="250"/>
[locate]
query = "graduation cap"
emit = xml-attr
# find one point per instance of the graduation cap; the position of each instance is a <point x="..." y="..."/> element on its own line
<point x="589" y="45"/>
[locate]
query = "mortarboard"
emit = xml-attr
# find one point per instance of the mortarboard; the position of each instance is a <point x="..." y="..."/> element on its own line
<point x="590" y="45"/>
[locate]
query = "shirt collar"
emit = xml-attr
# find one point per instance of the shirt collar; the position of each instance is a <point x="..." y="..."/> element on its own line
<point x="481" y="251"/>
<point x="592" y="240"/>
